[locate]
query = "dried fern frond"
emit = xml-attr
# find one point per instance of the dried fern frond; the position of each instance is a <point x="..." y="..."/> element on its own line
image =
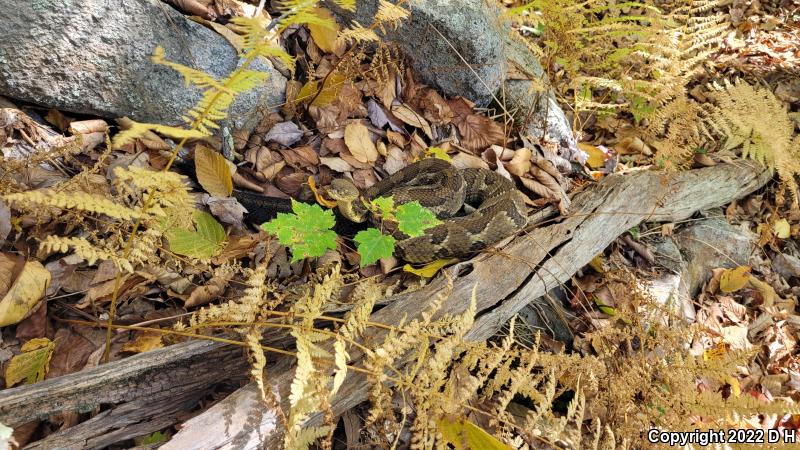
<point x="740" y="116"/>
<point x="80" y="201"/>
<point x="357" y="33"/>
<point x="86" y="250"/>
<point x="390" y="15"/>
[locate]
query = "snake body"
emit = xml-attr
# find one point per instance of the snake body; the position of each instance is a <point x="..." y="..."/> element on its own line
<point x="499" y="212"/>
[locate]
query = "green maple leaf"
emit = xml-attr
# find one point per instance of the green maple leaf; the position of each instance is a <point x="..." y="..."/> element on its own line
<point x="203" y="242"/>
<point x="373" y="245"/>
<point x="413" y="219"/>
<point x="384" y="206"/>
<point x="307" y="232"/>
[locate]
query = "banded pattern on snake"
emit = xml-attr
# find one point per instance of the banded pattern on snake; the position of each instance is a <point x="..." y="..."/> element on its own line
<point x="500" y="209"/>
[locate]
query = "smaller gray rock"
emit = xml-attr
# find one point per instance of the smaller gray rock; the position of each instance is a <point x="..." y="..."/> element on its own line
<point x="712" y="243"/>
<point x="93" y="57"/>
<point x="539" y="117"/>
<point x="786" y="266"/>
<point x="455" y="46"/>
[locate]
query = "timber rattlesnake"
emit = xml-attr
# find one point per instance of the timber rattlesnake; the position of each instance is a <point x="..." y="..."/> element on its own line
<point x="500" y="208"/>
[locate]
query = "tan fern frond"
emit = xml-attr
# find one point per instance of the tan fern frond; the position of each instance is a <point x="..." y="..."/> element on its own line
<point x="80" y="201"/>
<point x="740" y="113"/>
<point x="86" y="250"/>
<point x="357" y="33"/>
<point x="390" y="15"/>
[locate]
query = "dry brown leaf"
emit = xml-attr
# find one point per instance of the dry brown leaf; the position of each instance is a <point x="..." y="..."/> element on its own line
<point x="290" y="184"/>
<point x="411" y="117"/>
<point x="88" y="126"/>
<point x="632" y="145"/>
<point x="357" y="138"/>
<point x="395" y="159"/>
<point x="537" y="188"/>
<point x="336" y="164"/>
<point x="466" y="161"/>
<point x="364" y="178"/>
<point x="396" y="139"/>
<point x="477" y="132"/>
<point x="213" y="172"/>
<point x="209" y="292"/>
<point x="273" y="170"/>
<point x="301" y="157"/>
<point x="195" y="7"/>
<point x="434" y="107"/>
<point x="500" y="152"/>
<point x="520" y="164"/>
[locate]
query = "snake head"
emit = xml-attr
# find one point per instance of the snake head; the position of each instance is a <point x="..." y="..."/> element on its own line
<point x="348" y="200"/>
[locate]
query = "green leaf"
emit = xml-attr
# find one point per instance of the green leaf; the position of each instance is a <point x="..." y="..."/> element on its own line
<point x="463" y="435"/>
<point x="307" y="232"/>
<point x="154" y="438"/>
<point x="202" y="243"/>
<point x="413" y="219"/>
<point x="373" y="245"/>
<point x="385" y="207"/>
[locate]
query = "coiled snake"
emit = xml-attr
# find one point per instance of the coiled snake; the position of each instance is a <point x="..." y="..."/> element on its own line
<point x="500" y="209"/>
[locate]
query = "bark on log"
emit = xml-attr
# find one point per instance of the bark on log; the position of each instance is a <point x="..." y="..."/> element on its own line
<point x="532" y="265"/>
<point x="152" y="388"/>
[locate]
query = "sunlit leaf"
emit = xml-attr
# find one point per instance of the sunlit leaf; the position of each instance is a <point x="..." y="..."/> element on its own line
<point x="734" y="279"/>
<point x="465" y="435"/>
<point x="213" y="172"/>
<point x="32" y="364"/>
<point x="26" y="292"/>
<point x="430" y="269"/>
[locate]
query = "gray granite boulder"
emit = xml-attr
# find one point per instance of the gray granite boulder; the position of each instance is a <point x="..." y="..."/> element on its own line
<point x="93" y="57"/>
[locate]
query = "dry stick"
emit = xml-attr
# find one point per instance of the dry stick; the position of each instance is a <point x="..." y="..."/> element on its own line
<point x="559" y="249"/>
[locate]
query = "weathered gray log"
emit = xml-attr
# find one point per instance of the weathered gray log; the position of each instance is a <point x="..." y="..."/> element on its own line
<point x="532" y="265"/>
<point x="153" y="388"/>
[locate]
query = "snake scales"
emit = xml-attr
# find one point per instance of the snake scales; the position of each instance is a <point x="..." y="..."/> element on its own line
<point x="500" y="208"/>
